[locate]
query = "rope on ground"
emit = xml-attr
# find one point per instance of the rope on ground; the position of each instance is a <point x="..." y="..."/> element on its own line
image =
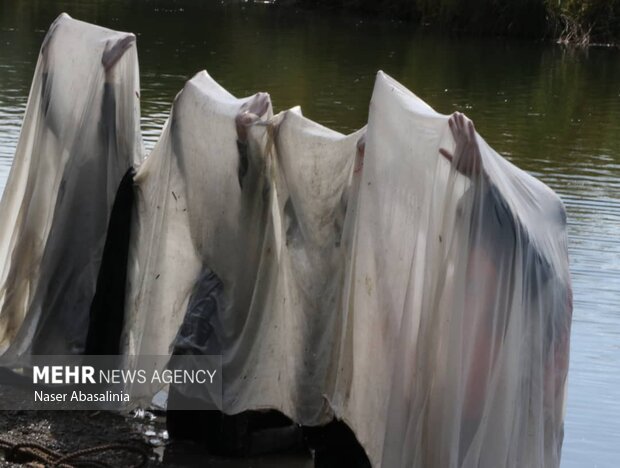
<point x="28" y="452"/>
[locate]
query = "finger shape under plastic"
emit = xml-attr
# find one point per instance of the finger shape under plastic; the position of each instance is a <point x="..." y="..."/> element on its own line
<point x="114" y="51"/>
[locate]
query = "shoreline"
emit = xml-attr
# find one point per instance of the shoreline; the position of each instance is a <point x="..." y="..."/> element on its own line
<point x="554" y="28"/>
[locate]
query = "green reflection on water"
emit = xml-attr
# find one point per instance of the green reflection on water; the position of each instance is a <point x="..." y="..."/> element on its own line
<point x="531" y="101"/>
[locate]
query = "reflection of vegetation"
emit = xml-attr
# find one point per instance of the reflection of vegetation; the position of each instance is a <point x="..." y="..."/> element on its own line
<point x="571" y="21"/>
<point x="582" y="21"/>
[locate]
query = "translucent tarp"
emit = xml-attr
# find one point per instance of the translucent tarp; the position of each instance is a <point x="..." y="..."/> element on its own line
<point x="415" y="285"/>
<point x="458" y="304"/>
<point x="427" y="306"/>
<point x="80" y="135"/>
<point x="267" y="218"/>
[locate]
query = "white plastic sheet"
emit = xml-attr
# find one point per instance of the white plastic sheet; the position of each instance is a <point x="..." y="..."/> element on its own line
<point x="458" y="303"/>
<point x="80" y="135"/>
<point x="272" y="236"/>
<point x="427" y="306"/>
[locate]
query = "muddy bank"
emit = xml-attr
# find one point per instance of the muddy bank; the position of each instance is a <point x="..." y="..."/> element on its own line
<point x="68" y="431"/>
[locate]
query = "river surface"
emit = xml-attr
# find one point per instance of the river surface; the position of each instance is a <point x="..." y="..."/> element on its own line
<point x="553" y="112"/>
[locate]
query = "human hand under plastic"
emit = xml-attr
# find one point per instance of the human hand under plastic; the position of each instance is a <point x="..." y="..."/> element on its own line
<point x="466" y="157"/>
<point x="114" y="51"/>
<point x="249" y="113"/>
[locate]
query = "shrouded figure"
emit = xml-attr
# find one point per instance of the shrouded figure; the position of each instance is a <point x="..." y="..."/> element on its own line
<point x="497" y="239"/>
<point x="80" y="137"/>
<point x="492" y="353"/>
<point x="249" y="432"/>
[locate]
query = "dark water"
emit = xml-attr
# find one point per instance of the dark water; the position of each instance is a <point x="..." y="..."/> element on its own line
<point x="553" y="112"/>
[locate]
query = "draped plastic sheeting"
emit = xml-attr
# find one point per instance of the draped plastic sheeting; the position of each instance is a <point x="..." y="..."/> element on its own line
<point x="272" y="235"/>
<point x="428" y="307"/>
<point x="458" y="302"/>
<point x="80" y="135"/>
<point x="417" y="289"/>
